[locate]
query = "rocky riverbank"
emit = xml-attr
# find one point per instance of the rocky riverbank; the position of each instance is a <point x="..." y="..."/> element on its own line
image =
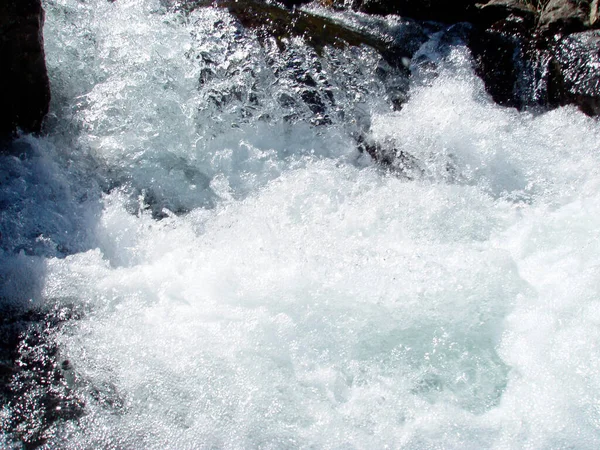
<point x="530" y="53"/>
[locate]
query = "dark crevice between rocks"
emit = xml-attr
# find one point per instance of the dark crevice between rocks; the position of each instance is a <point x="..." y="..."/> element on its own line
<point x="537" y="72"/>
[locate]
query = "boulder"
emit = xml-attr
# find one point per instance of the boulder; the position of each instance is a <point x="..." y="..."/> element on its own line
<point x="496" y="11"/>
<point x="24" y="85"/>
<point x="551" y="15"/>
<point x="502" y="53"/>
<point x="528" y="57"/>
<point x="566" y="16"/>
<point x="575" y="74"/>
<point x="320" y="31"/>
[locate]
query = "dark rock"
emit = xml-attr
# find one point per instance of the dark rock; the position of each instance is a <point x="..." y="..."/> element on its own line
<point x="436" y="10"/>
<point x="529" y="58"/>
<point x="293" y="3"/>
<point x="495" y="11"/>
<point x="313" y="101"/>
<point x="566" y="16"/>
<point x="24" y="85"/>
<point x="391" y="158"/>
<point x="318" y="31"/>
<point x="575" y="74"/>
<point x="498" y="54"/>
<point x="551" y="16"/>
<point x="546" y="16"/>
<point x="33" y="389"/>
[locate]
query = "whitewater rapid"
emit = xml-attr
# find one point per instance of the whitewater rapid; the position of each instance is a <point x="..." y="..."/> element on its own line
<point x="251" y="280"/>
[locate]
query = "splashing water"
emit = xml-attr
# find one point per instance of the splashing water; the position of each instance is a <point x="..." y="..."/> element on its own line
<point x="293" y="294"/>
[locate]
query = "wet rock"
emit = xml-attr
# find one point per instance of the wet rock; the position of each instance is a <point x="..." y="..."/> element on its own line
<point x="435" y="10"/>
<point x="33" y="390"/>
<point x="276" y="27"/>
<point x="546" y="16"/>
<point x="551" y="16"/>
<point x="565" y="16"/>
<point x="293" y="3"/>
<point x="390" y="157"/>
<point x="24" y="85"/>
<point x="529" y="57"/>
<point x="575" y="72"/>
<point x="318" y="31"/>
<point x="500" y="57"/>
<point x="494" y="11"/>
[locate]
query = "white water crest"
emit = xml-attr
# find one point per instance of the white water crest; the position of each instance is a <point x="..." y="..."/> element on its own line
<point x="251" y="280"/>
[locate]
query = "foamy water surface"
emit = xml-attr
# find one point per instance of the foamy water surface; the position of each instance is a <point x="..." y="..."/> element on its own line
<point x="265" y="285"/>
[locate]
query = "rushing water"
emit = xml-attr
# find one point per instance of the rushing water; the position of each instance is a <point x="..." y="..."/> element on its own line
<point x="236" y="274"/>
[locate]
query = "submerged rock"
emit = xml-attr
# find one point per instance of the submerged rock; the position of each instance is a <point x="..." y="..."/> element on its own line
<point x="319" y="31"/>
<point x="33" y="381"/>
<point x="513" y="42"/>
<point x="301" y="45"/>
<point x="24" y="85"/>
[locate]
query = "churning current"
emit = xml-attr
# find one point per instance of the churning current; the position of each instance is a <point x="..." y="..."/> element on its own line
<point x="244" y="277"/>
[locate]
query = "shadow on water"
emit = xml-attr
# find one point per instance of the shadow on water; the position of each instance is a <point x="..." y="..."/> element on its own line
<point x="44" y="213"/>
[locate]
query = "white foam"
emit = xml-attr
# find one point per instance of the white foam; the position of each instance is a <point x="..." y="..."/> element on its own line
<point x="320" y="304"/>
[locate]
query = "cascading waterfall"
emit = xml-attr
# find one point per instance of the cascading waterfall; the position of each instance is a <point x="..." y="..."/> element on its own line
<point x="225" y="269"/>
